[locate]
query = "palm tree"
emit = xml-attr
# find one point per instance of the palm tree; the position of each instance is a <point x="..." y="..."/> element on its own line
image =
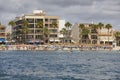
<point x="95" y="27"/>
<point x="117" y="36"/>
<point x="54" y="25"/>
<point x="85" y="33"/>
<point x="94" y="34"/>
<point x="81" y="26"/>
<point x="100" y="26"/>
<point x="12" y="24"/>
<point x="46" y="33"/>
<point x="25" y="28"/>
<point x="63" y="31"/>
<point x="68" y="26"/>
<point x="108" y="26"/>
<point x="40" y="26"/>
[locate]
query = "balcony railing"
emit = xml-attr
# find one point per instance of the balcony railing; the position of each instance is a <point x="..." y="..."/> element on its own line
<point x="2" y="36"/>
<point x="105" y="34"/>
<point x="2" y="31"/>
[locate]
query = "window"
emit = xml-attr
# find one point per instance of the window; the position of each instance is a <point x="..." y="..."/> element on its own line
<point x="38" y="20"/>
<point x="46" y="25"/>
<point x="93" y="36"/>
<point x="30" y="36"/>
<point x="53" y="35"/>
<point x="30" y="20"/>
<point x="53" y="31"/>
<point x="53" y="20"/>
<point x="38" y="36"/>
<point x="46" y="20"/>
<point x="31" y="25"/>
<point x="31" y="31"/>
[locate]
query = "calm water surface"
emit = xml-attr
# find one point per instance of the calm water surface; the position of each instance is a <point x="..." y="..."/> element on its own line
<point x="59" y="65"/>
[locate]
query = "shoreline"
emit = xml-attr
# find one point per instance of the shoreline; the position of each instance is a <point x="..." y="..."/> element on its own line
<point x="58" y="47"/>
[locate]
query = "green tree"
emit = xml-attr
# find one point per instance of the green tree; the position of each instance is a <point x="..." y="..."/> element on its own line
<point x="117" y="37"/>
<point x="63" y="32"/>
<point x="68" y="26"/>
<point x="46" y="34"/>
<point x="100" y="26"/>
<point x="94" y="26"/>
<point x="117" y="34"/>
<point x="108" y="26"/>
<point x="84" y="33"/>
<point x="12" y="24"/>
<point x="25" y="29"/>
<point x="40" y="26"/>
<point x="54" y="25"/>
<point x="81" y="27"/>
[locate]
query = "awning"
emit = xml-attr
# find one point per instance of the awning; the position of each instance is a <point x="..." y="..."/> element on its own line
<point x="2" y="40"/>
<point x="34" y="41"/>
<point x="52" y="40"/>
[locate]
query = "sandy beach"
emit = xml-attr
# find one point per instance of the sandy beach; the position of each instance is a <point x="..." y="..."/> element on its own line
<point x="57" y="47"/>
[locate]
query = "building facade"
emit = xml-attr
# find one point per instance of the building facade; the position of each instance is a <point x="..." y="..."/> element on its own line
<point x="35" y="33"/>
<point x="61" y="26"/>
<point x="106" y="37"/>
<point x="95" y="36"/>
<point x="2" y="34"/>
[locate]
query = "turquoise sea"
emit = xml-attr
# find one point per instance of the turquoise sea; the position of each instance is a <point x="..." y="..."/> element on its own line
<point x="59" y="65"/>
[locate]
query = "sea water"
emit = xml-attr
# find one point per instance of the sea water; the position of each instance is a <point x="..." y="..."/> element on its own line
<point x="59" y="65"/>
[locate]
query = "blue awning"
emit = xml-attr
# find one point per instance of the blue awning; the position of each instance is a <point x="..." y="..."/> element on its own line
<point x="2" y="40"/>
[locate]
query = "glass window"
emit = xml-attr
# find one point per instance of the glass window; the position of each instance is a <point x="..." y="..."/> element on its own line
<point x="53" y="20"/>
<point x="38" y="36"/>
<point x="53" y="35"/>
<point x="31" y="31"/>
<point x="31" y="25"/>
<point x="38" y="20"/>
<point x="30" y="20"/>
<point x="30" y="36"/>
<point x="46" y="20"/>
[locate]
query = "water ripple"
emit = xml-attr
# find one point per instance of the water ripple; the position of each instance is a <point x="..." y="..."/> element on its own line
<point x="59" y="65"/>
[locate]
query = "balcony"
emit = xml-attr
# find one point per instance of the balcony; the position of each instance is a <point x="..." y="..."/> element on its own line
<point x="94" y="37"/>
<point x="2" y="31"/>
<point x="94" y="32"/>
<point x="105" y="34"/>
<point x="2" y="36"/>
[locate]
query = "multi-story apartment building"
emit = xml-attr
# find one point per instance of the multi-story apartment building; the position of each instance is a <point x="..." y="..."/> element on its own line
<point x="95" y="36"/>
<point x="105" y="37"/>
<point x="2" y="34"/>
<point x="34" y="32"/>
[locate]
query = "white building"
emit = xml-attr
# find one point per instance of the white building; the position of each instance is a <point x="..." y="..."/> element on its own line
<point x="61" y="26"/>
<point x="75" y="33"/>
<point x="106" y="37"/>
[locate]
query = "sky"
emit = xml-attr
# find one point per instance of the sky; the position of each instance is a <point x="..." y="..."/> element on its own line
<point x="74" y="11"/>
